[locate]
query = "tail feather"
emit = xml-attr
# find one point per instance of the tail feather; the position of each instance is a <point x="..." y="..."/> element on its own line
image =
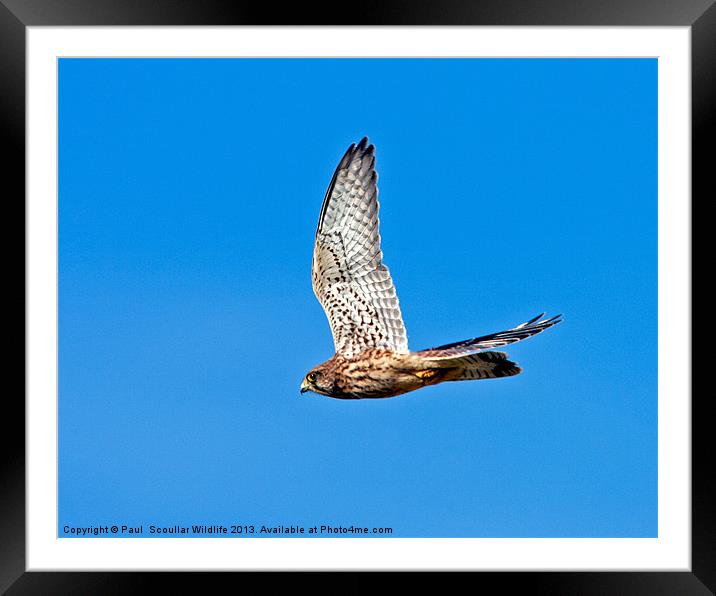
<point x="475" y="374"/>
<point x="483" y="365"/>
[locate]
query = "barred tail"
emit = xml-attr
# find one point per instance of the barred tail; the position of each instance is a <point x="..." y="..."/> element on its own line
<point x="483" y="365"/>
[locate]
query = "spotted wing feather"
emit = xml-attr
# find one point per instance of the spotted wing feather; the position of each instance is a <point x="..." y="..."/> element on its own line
<point x="349" y="278"/>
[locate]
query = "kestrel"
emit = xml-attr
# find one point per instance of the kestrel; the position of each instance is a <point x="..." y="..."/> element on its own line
<point x="356" y="291"/>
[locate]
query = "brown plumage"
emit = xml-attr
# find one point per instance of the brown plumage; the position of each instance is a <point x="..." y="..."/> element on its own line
<point x="357" y="293"/>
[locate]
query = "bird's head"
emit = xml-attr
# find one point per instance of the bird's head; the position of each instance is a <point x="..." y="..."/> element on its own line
<point x="318" y="381"/>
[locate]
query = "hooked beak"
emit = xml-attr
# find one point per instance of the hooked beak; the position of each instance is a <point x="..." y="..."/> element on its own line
<point x="305" y="386"/>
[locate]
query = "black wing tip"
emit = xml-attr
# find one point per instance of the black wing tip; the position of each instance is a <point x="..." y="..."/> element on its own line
<point x="552" y="320"/>
<point x="364" y="147"/>
<point x="539" y="321"/>
<point x="361" y="149"/>
<point x="347" y="156"/>
<point x="534" y="319"/>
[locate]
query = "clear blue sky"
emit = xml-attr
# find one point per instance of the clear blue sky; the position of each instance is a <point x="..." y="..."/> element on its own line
<point x="189" y="194"/>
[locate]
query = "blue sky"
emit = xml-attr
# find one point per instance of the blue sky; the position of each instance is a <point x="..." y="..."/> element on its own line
<point x="189" y="191"/>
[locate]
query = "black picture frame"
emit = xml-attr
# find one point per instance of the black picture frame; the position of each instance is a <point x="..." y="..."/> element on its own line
<point x="16" y="15"/>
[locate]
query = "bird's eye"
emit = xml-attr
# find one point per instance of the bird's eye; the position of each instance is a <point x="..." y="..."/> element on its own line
<point x="312" y="377"/>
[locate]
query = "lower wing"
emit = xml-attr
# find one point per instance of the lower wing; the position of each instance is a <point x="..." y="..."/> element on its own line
<point x="493" y="340"/>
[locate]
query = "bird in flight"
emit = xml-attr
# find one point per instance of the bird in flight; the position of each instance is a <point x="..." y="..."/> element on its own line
<point x="356" y="291"/>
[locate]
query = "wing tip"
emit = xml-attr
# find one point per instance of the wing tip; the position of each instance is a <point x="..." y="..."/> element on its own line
<point x="365" y="147"/>
<point x="347" y="156"/>
<point x="362" y="149"/>
<point x="540" y="321"/>
<point x="552" y="320"/>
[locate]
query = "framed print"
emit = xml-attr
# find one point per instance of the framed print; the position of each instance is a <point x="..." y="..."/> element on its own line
<point x="200" y="199"/>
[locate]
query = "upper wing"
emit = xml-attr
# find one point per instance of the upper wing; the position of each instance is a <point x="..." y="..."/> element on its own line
<point x="493" y="340"/>
<point x="349" y="278"/>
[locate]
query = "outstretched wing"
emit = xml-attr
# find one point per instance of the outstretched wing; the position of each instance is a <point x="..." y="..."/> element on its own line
<point x="349" y="278"/>
<point x="493" y="340"/>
